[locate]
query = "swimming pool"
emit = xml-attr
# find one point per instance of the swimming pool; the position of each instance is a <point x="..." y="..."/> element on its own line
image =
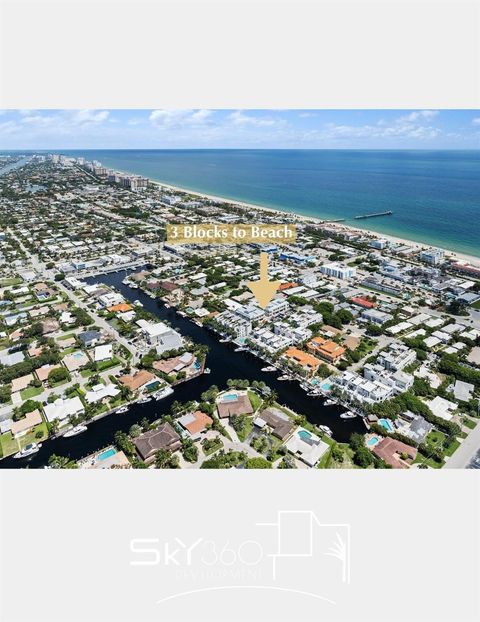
<point x="387" y="424"/>
<point x="373" y="441"/>
<point x="304" y="435"/>
<point x="77" y="355"/>
<point x="230" y="397"/>
<point x="108" y="453"/>
<point x="326" y="386"/>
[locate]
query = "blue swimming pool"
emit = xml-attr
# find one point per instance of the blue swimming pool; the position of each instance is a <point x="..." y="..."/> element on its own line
<point x="108" y="453"/>
<point x="326" y="386"/>
<point x="387" y="424"/>
<point x="304" y="435"/>
<point x="373" y="441"/>
<point x="230" y="397"/>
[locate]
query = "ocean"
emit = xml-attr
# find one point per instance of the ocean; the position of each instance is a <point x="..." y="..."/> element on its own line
<point x="434" y="195"/>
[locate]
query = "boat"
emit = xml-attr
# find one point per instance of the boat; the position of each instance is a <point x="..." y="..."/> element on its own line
<point x="144" y="400"/>
<point x="137" y="303"/>
<point x="126" y="282"/>
<point x="325" y="429"/>
<point x="269" y="368"/>
<point x="283" y="378"/>
<point x="28" y="450"/>
<point x="207" y="370"/>
<point x="165" y="392"/>
<point x="314" y="394"/>
<point x="348" y="415"/>
<point x="122" y="409"/>
<point x="78" y="429"/>
<point x="329" y="402"/>
<point x="224" y="340"/>
<point x="166" y="305"/>
<point x="241" y="349"/>
<point x="182" y="313"/>
<point x="134" y="286"/>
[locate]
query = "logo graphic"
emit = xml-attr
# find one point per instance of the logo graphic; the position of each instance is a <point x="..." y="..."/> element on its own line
<point x="296" y="553"/>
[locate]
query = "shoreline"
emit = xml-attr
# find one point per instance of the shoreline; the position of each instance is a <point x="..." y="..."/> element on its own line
<point x="316" y="220"/>
<point x="464" y="257"/>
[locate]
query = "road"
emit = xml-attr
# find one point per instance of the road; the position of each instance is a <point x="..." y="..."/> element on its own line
<point x="466" y="452"/>
<point x="40" y="267"/>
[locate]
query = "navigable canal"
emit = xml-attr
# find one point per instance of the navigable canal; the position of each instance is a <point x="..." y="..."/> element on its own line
<point x="223" y="362"/>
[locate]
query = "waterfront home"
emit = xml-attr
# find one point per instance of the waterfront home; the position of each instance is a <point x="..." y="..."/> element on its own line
<point x="233" y="403"/>
<point x="306" y="446"/>
<point x="164" y="437"/>
<point x="330" y="351"/>
<point x="137" y="381"/>
<point x="62" y="409"/>
<point x="26" y="424"/>
<point x="309" y="362"/>
<point x="277" y="421"/>
<point x="395" y="453"/>
<point x="175" y="364"/>
<point x="195" y="423"/>
<point x="100" y="392"/>
<point x="75" y="360"/>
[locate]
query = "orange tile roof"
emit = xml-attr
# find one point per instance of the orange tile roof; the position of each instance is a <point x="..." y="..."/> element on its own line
<point x="122" y="307"/>
<point x="138" y="380"/>
<point x="304" y="359"/>
<point x="202" y="420"/>
<point x="287" y="285"/>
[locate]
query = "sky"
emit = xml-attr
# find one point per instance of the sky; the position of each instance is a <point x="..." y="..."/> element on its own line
<point x="240" y="129"/>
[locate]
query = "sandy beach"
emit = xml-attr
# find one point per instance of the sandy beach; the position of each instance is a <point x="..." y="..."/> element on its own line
<point x="315" y="220"/>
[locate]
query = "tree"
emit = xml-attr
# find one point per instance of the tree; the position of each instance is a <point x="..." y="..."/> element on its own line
<point x="57" y="375"/>
<point x="258" y="463"/>
<point x="363" y="457"/>
<point x="135" y="430"/>
<point x="164" y="459"/>
<point x="61" y="462"/>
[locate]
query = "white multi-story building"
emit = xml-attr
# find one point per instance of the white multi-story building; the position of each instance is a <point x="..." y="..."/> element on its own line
<point x="432" y="256"/>
<point x="240" y="325"/>
<point x="277" y="307"/>
<point x="338" y="270"/>
<point x="396" y="357"/>
<point x="357" y="388"/>
<point x="296" y="334"/>
<point x="398" y="380"/>
<point x="376" y="317"/>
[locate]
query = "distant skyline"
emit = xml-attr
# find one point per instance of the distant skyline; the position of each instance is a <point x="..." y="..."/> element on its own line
<point x="239" y="129"/>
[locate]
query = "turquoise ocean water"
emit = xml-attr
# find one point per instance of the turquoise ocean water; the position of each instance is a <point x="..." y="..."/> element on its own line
<point x="435" y="195"/>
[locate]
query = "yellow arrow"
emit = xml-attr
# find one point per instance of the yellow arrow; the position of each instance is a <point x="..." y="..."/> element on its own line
<point x="263" y="289"/>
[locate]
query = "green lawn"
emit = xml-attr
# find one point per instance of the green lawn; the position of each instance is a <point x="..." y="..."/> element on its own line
<point x="10" y="282"/>
<point x="255" y="400"/>
<point x="452" y="448"/>
<point x="468" y="423"/>
<point x="243" y="434"/>
<point x="30" y="392"/>
<point x="65" y="337"/>
<point x="476" y="305"/>
<point x="113" y="362"/>
<point x="9" y="445"/>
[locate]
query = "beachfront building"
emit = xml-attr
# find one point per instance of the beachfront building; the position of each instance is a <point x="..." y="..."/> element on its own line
<point x="432" y="256"/>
